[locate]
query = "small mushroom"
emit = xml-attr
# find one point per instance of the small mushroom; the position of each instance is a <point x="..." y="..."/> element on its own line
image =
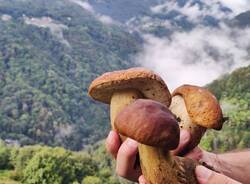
<point x="120" y="88"/>
<point x="196" y="110"/>
<point x="157" y="130"/>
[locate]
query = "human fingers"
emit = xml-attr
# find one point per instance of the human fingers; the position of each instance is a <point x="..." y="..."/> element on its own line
<point x="206" y="176"/>
<point x="184" y="140"/>
<point x="142" y="180"/>
<point x="126" y="158"/>
<point x="113" y="143"/>
<point x="195" y="154"/>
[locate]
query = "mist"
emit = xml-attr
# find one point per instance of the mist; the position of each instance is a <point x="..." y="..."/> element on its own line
<point x="198" y="56"/>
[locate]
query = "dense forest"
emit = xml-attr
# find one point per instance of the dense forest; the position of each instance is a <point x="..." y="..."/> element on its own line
<point x="94" y="166"/>
<point x="233" y="91"/>
<point x="50" y="51"/>
<point x="45" y="75"/>
<point x="41" y="164"/>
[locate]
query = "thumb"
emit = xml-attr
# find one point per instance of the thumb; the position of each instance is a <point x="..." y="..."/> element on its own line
<point x="206" y="176"/>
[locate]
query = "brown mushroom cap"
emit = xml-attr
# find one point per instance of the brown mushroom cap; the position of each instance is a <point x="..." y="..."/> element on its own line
<point x="150" y="123"/>
<point x="202" y="106"/>
<point x="145" y="81"/>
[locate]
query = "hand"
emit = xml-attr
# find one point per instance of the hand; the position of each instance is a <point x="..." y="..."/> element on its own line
<point x="206" y="176"/>
<point x="125" y="154"/>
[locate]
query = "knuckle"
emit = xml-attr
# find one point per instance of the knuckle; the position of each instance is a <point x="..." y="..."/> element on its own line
<point x="127" y="152"/>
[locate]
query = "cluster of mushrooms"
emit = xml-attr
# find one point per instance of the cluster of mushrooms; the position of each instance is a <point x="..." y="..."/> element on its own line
<point x="142" y="108"/>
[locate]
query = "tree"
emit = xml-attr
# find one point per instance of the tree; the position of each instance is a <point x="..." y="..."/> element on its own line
<point x="91" y="180"/>
<point x="58" y="166"/>
<point x="4" y="156"/>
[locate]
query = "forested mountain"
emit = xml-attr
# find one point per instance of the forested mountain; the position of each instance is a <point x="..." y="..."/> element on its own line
<point x="95" y="166"/>
<point x="160" y="17"/>
<point x="233" y="91"/>
<point x="242" y="20"/>
<point x="49" y="53"/>
<point x="116" y="10"/>
<point x="51" y="50"/>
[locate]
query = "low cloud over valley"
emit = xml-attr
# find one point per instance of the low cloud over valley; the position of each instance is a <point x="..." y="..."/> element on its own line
<point x="202" y="54"/>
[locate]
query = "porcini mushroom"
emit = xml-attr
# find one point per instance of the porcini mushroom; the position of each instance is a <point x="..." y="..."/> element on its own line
<point x="157" y="130"/>
<point x="196" y="110"/>
<point x="120" y="88"/>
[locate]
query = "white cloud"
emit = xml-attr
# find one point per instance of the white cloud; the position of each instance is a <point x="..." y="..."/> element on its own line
<point x="84" y="4"/>
<point x="105" y="19"/>
<point x="6" y="17"/>
<point x="159" y="8"/>
<point x="196" y="57"/>
<point x="47" y="22"/>
<point x="237" y="6"/>
<point x="193" y="11"/>
<point x="202" y="54"/>
<point x="102" y="18"/>
<point x="212" y="8"/>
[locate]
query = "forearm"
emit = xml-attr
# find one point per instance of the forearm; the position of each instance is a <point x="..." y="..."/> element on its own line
<point x="235" y="165"/>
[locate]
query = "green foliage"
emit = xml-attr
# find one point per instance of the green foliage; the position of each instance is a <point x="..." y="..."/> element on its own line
<point x="20" y="158"/>
<point x="233" y="91"/>
<point x="57" y="166"/>
<point x="5" y="177"/>
<point x="40" y="164"/>
<point x="105" y="162"/>
<point x="47" y="167"/>
<point x="83" y="165"/>
<point x="44" y="80"/>
<point x="91" y="180"/>
<point x="4" y="156"/>
<point x="43" y="92"/>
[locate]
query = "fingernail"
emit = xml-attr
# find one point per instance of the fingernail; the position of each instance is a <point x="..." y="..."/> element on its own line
<point x="184" y="136"/>
<point x="132" y="143"/>
<point x="203" y="173"/>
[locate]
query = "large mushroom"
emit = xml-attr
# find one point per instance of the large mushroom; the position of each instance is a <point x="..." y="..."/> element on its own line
<point x="157" y="130"/>
<point x="196" y="110"/>
<point x="120" y="88"/>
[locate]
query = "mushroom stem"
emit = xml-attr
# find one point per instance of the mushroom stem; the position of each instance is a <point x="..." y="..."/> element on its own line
<point x="178" y="107"/>
<point x="159" y="167"/>
<point x="121" y="99"/>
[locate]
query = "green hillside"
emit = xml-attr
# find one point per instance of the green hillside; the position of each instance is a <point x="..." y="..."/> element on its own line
<point x="42" y="164"/>
<point x="233" y="91"/>
<point x="49" y="53"/>
<point x="23" y="165"/>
